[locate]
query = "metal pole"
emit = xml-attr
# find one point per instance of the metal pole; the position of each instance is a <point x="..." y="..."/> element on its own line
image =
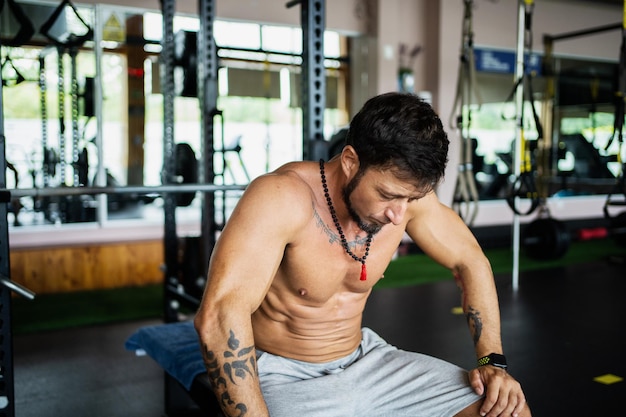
<point x="519" y="106"/>
<point x="584" y="32"/>
<point x="313" y="78"/>
<point x="102" y="212"/>
<point x="170" y="237"/>
<point x="14" y="286"/>
<point x="207" y="97"/>
<point x="6" y="194"/>
<point x="7" y="408"/>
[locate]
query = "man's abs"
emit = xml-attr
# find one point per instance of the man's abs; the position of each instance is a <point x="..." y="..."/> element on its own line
<point x="308" y="332"/>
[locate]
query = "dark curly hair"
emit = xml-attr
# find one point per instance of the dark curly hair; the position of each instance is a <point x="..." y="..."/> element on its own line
<point x="400" y="132"/>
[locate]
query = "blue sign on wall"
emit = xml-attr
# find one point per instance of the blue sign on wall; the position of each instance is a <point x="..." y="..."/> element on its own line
<point x="503" y="61"/>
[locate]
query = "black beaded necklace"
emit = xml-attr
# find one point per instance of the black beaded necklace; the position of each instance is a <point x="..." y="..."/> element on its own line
<point x="342" y="236"/>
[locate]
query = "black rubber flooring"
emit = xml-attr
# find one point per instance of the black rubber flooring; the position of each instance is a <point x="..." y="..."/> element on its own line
<point x="563" y="333"/>
<point x="562" y="329"/>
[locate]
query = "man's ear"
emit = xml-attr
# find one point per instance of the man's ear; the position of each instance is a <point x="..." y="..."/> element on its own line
<point x="349" y="162"/>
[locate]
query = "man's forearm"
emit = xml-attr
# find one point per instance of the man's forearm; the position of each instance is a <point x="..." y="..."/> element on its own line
<point x="480" y="307"/>
<point x="233" y="374"/>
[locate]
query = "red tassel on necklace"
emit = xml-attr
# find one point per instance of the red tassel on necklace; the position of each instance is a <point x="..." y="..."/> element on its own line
<point x="363" y="272"/>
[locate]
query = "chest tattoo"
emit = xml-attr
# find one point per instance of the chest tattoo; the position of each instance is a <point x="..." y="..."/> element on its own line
<point x="332" y="235"/>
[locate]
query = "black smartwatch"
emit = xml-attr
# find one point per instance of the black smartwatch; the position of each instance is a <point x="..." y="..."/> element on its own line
<point x="494" y="359"/>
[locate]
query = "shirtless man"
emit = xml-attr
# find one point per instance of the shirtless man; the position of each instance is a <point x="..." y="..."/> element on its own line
<point x="280" y="319"/>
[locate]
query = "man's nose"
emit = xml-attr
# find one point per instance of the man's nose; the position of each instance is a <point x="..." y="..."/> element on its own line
<point x="395" y="211"/>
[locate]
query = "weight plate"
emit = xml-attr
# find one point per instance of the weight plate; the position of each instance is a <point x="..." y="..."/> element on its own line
<point x="546" y="239"/>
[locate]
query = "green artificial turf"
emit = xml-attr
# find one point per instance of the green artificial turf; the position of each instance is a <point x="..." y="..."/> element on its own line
<point x="58" y="311"/>
<point x="419" y="269"/>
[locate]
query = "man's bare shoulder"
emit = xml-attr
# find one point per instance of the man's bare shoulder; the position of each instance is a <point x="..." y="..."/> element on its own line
<point x="293" y="177"/>
<point x="286" y="190"/>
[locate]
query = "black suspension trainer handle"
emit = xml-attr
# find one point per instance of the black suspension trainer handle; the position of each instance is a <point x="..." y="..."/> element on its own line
<point x="618" y="188"/>
<point x="524" y="187"/>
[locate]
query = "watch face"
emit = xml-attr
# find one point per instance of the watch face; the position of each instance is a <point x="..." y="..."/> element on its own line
<point x="497" y="360"/>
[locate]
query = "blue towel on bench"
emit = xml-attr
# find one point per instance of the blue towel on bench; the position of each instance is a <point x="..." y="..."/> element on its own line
<point x="174" y="346"/>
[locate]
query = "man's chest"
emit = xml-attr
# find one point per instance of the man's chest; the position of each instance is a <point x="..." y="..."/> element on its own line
<point x="320" y="265"/>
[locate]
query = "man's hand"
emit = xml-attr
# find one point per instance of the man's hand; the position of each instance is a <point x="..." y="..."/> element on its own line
<point x="503" y="394"/>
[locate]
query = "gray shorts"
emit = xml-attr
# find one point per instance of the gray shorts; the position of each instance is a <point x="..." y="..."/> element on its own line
<point x="376" y="380"/>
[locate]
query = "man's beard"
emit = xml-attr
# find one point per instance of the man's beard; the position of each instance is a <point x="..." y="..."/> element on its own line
<point x="369" y="228"/>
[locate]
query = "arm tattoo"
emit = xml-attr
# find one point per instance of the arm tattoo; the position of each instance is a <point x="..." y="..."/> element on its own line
<point x="472" y="315"/>
<point x="475" y="323"/>
<point x="238" y="364"/>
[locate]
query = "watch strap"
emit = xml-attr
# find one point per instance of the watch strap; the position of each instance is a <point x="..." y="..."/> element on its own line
<point x="494" y="359"/>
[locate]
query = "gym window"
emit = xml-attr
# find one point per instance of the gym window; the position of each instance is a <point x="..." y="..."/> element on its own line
<point x="259" y="98"/>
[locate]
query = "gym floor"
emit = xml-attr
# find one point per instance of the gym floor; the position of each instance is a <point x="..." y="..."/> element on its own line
<point x="563" y="332"/>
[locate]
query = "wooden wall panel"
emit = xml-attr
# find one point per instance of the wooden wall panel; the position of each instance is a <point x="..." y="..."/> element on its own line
<point x="78" y="268"/>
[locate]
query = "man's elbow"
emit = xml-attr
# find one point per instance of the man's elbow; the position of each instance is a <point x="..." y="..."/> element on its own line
<point x="204" y="322"/>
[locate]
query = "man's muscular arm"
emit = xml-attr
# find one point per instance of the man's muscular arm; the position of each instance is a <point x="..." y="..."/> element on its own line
<point x="243" y="264"/>
<point x="445" y="238"/>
